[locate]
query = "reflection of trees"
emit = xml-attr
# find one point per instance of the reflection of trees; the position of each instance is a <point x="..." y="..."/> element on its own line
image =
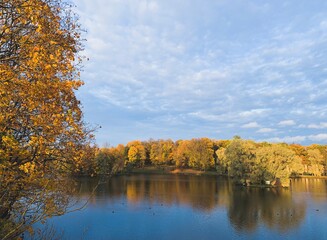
<point x="247" y="207"/>
<point x="315" y="188"/>
<point x="274" y="207"/>
<point x="203" y="193"/>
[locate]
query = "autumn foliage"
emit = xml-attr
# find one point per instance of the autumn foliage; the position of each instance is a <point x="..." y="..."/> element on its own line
<point x="245" y="161"/>
<point x="42" y="135"/>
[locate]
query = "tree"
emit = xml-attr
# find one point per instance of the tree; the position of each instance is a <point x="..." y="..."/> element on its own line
<point x="221" y="164"/>
<point x="161" y="152"/>
<point x="181" y="155"/>
<point x="240" y="155"/>
<point x="42" y="134"/>
<point x="201" y="153"/>
<point x="136" y="153"/>
<point x="323" y="151"/>
<point x="315" y="159"/>
<point x="277" y="161"/>
<point x="110" y="160"/>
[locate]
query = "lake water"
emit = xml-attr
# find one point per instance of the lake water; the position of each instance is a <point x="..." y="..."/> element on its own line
<point x="195" y="207"/>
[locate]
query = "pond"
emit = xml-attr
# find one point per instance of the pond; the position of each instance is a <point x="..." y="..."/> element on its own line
<point x="195" y="207"/>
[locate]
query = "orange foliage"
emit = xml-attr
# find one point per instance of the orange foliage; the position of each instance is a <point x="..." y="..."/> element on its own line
<point x="41" y="128"/>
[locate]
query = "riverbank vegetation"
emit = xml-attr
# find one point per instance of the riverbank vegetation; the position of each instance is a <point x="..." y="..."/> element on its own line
<point x="246" y="161"/>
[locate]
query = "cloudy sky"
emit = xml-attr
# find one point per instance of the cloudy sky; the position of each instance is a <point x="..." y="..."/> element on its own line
<point x="205" y="68"/>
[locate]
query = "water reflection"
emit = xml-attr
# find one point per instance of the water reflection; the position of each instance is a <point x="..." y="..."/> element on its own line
<point x="250" y="207"/>
<point x="247" y="208"/>
<point x="315" y="188"/>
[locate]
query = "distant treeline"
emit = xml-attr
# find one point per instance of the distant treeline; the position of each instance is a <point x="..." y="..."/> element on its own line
<point x="244" y="160"/>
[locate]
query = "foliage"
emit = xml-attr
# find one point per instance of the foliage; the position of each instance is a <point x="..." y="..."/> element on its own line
<point x="42" y="135"/>
<point x="201" y="154"/>
<point x="315" y="160"/>
<point x="276" y="162"/>
<point x="136" y="153"/>
<point x="180" y="154"/>
<point x="110" y="160"/>
<point x="244" y="160"/>
<point x="161" y="152"/>
<point x="240" y="156"/>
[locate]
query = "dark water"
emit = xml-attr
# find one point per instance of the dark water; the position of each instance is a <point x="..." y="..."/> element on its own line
<point x="195" y="207"/>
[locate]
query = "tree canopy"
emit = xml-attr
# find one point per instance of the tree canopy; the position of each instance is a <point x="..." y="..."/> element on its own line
<point x="245" y="161"/>
<point x="42" y="134"/>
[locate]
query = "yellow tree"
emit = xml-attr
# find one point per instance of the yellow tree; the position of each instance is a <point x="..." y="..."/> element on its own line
<point x="136" y="153"/>
<point x="161" y="152"/>
<point x="201" y="153"/>
<point x="222" y="164"/>
<point x="181" y="153"/>
<point x="277" y="161"/>
<point x="41" y="129"/>
<point x="315" y="159"/>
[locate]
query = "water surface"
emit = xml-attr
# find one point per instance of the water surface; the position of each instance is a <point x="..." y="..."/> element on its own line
<point x="195" y="207"/>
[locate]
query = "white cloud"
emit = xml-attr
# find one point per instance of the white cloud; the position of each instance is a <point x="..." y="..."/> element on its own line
<point x="287" y="139"/>
<point x="319" y="137"/>
<point x="265" y="130"/>
<point x="318" y="126"/>
<point x="204" y="116"/>
<point x="285" y="123"/>
<point x="163" y="57"/>
<point x="254" y="112"/>
<point x="251" y="125"/>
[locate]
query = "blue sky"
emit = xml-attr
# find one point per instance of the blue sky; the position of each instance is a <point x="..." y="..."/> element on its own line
<point x="205" y="68"/>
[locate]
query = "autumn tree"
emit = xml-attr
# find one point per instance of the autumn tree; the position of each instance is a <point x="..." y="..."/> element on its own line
<point x="276" y="161"/>
<point x="323" y="151"/>
<point x="180" y="154"/>
<point x="110" y="160"/>
<point x="301" y="152"/>
<point x="161" y="152"/>
<point x="41" y="129"/>
<point x="201" y="153"/>
<point x="136" y="153"/>
<point x="87" y="165"/>
<point x="239" y="158"/>
<point x="315" y="159"/>
<point x="221" y="163"/>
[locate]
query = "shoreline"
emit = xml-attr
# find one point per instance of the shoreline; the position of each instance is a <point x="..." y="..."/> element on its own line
<point x="169" y="171"/>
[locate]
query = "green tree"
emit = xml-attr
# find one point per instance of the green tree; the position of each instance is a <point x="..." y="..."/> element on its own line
<point x="276" y="161"/>
<point x="240" y="157"/>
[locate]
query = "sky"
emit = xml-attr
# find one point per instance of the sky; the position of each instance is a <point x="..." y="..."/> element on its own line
<point x="182" y="69"/>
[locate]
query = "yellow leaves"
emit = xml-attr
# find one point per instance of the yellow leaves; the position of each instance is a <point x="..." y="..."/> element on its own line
<point x="9" y="141"/>
<point x="48" y="66"/>
<point x="39" y="29"/>
<point x="35" y="56"/>
<point x="27" y="167"/>
<point x="40" y="130"/>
